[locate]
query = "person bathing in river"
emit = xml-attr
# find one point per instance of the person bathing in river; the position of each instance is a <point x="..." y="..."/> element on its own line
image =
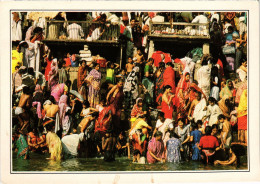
<point x="155" y="151"/>
<point x="51" y="112"/>
<point x="208" y="146"/>
<point x="108" y="146"/>
<point x="23" y="107"/>
<point x="53" y="143"/>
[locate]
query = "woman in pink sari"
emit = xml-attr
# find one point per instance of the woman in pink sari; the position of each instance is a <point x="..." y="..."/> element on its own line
<point x="65" y="119"/>
<point x="93" y="80"/>
<point x="59" y="90"/>
<point x="155" y="151"/>
<point x="53" y="75"/>
<point x="182" y="95"/>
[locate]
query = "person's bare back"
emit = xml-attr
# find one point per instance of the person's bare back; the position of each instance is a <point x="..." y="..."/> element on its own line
<point x="25" y="101"/>
<point x="51" y="110"/>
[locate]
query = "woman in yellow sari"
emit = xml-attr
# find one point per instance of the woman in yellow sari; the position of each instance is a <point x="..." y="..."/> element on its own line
<point x="242" y="118"/>
<point x="54" y="144"/>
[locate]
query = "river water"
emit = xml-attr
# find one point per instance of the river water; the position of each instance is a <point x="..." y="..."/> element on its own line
<point x="38" y="162"/>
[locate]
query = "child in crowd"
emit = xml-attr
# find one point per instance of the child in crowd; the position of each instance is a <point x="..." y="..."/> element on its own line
<point x="63" y="75"/>
<point x="129" y="66"/>
<point x="110" y="72"/>
<point x="121" y="75"/>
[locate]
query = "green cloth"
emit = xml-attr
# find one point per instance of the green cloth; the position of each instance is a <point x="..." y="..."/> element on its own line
<point x="22" y="147"/>
<point x="149" y="69"/>
<point x="110" y="75"/>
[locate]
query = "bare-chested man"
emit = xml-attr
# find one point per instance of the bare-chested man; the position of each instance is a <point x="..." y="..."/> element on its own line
<point x="51" y="110"/>
<point x="197" y="107"/>
<point x="129" y="66"/>
<point x="23" y="107"/>
<point x="108" y="147"/>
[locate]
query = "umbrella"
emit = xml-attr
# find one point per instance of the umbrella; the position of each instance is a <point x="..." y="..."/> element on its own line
<point x="77" y="95"/>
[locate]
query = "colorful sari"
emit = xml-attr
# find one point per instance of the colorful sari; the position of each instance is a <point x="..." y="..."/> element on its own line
<point x="180" y="102"/>
<point x="57" y="91"/>
<point x="93" y="94"/>
<point x="226" y="92"/>
<point x="131" y="88"/>
<point x="137" y="111"/>
<point x="116" y="107"/>
<point x="65" y="120"/>
<point x="82" y="74"/>
<point x="240" y="90"/>
<point x="157" y="148"/>
<point x="23" y="148"/>
<point x="159" y="89"/>
<point x="101" y="124"/>
<point x="242" y="111"/>
<point x="53" y="74"/>
<point x="54" y="145"/>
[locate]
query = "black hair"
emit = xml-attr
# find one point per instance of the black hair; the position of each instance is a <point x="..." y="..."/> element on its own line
<point x="166" y="87"/>
<point x="187" y="73"/>
<point x="86" y="103"/>
<point x="150" y="59"/>
<point x="83" y="61"/>
<point x="231" y="28"/>
<point x="136" y="152"/>
<point x="173" y="134"/>
<point x="161" y="114"/>
<point x="204" y="61"/>
<point x="52" y="99"/>
<point x="26" y="90"/>
<point x="169" y="64"/>
<point x="49" y="127"/>
<point x="194" y="126"/>
<point x="95" y="64"/>
<point x="161" y="65"/>
<point x="199" y="93"/>
<point x="214" y="126"/>
<point x="212" y="99"/>
<point x="158" y="133"/>
<point x="195" y="82"/>
<point x="214" y="71"/>
<point x="221" y="116"/>
<point x="208" y="130"/>
<point x="109" y="64"/>
<point x="180" y="119"/>
<point x="95" y="114"/>
<point x="17" y="67"/>
<point x="199" y="122"/>
<point x="37" y="30"/>
<point x="130" y="57"/>
<point x="31" y="71"/>
<point x="68" y="83"/>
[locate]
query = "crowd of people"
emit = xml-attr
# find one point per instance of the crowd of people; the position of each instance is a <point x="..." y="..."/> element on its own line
<point x="152" y="113"/>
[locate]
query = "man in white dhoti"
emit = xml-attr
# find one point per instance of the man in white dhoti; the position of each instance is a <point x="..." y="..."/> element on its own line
<point x="198" y="105"/>
<point x="203" y="76"/>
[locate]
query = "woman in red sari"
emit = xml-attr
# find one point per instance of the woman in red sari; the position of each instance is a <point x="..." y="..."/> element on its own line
<point x="169" y="77"/>
<point x="159" y="84"/>
<point x="48" y="60"/>
<point x="115" y="98"/>
<point x="182" y="95"/>
<point x="167" y="103"/>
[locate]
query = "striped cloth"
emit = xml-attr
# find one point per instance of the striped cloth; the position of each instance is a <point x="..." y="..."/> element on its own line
<point x="75" y="31"/>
